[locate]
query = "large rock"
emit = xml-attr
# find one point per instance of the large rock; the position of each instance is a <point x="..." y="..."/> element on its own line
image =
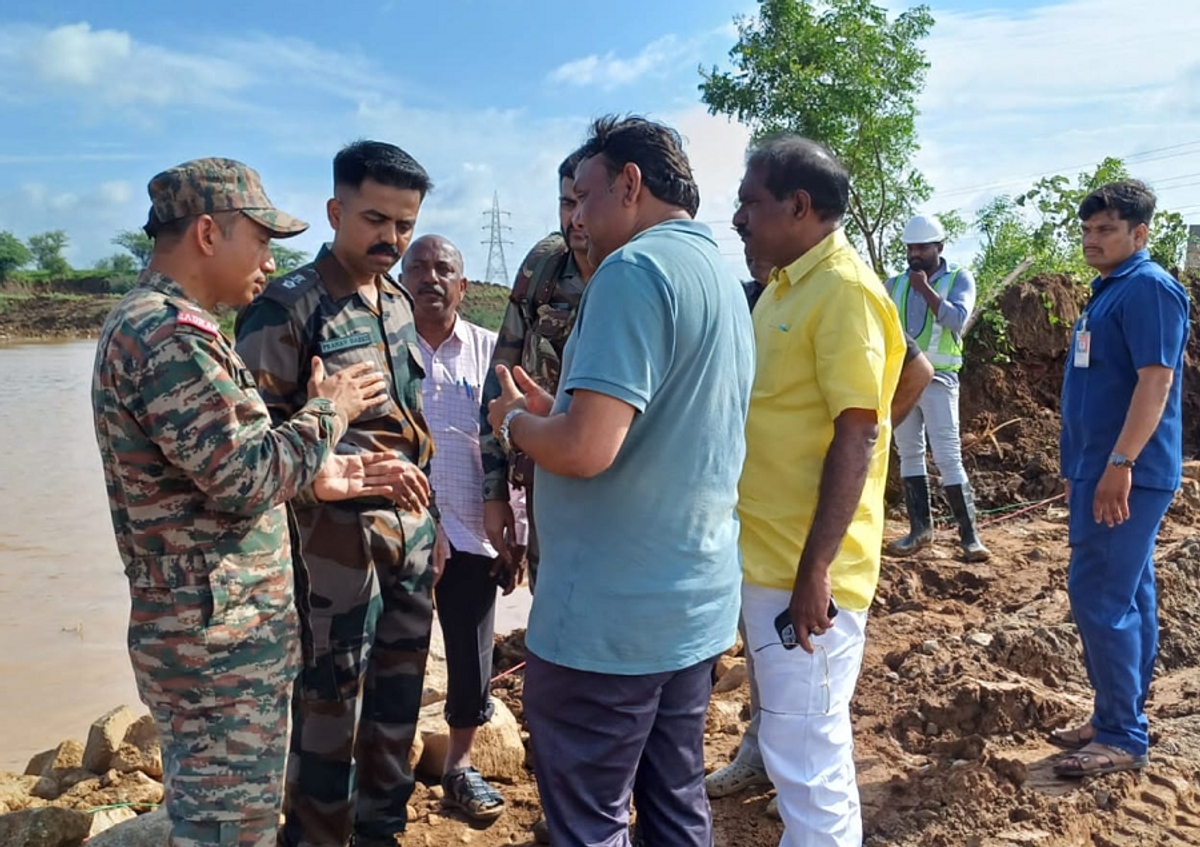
<point x="46" y="827"/>
<point x="19" y="792"/>
<point x="498" y="752"/>
<point x="114" y="788"/>
<point x="149" y="830"/>
<point x="433" y="689"/>
<point x="66" y="756"/>
<point x="140" y="749"/>
<point x="106" y="819"/>
<point x="105" y="736"/>
<point x="734" y="676"/>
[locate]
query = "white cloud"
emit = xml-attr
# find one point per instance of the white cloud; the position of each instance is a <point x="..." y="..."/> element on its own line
<point x="610" y="71"/>
<point x="109" y="67"/>
<point x="1014" y="95"/>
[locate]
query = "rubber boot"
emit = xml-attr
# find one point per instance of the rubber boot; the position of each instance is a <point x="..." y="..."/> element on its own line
<point x="962" y="503"/>
<point x="920" y="518"/>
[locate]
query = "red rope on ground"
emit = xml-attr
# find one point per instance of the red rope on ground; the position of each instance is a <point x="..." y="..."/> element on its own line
<point x="1045" y="502"/>
<point x="508" y="672"/>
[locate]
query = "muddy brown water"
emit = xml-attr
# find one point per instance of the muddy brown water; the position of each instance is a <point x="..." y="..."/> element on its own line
<point x="64" y="604"/>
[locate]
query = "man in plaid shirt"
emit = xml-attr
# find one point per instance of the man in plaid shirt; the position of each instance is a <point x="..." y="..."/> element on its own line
<point x="456" y="354"/>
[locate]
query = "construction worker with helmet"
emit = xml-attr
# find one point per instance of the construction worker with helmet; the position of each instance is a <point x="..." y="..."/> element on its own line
<point x="934" y="298"/>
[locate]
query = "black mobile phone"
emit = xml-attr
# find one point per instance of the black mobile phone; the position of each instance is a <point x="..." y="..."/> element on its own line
<point x="787" y="631"/>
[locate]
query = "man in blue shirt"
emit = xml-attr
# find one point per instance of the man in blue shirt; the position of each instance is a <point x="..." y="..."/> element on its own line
<point x="1122" y="455"/>
<point x="638" y="459"/>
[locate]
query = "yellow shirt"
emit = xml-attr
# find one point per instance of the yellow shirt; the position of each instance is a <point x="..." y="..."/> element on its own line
<point x="828" y="338"/>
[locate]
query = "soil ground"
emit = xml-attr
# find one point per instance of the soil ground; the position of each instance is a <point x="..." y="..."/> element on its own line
<point x="968" y="666"/>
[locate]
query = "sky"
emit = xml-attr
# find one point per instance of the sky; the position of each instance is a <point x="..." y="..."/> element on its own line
<point x="490" y="95"/>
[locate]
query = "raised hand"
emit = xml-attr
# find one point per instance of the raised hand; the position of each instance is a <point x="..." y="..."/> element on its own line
<point x="352" y="391"/>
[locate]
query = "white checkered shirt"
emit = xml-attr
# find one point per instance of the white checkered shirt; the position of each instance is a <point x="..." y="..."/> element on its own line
<point x="451" y="392"/>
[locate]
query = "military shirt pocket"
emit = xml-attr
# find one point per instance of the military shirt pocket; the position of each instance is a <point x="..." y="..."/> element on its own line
<point x="342" y="352"/>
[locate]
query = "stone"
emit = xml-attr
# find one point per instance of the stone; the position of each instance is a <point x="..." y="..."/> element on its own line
<point x="498" y="752"/>
<point x="149" y="830"/>
<point x="1191" y="469"/>
<point x="140" y="749"/>
<point x="433" y="688"/>
<point x="726" y="663"/>
<point x="416" y="750"/>
<point x="106" y="819"/>
<point x="738" y="648"/>
<point x="16" y="790"/>
<point x="67" y="780"/>
<point x="980" y="639"/>
<point x="115" y="788"/>
<point x="49" y="826"/>
<point x="932" y="729"/>
<point x="737" y="676"/>
<point x="105" y="736"/>
<point x="929" y="647"/>
<point x="66" y="756"/>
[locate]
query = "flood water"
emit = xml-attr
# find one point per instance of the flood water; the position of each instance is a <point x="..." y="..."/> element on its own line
<point x="64" y="604"/>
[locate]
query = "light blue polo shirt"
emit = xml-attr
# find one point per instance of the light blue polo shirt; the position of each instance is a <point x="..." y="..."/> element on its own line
<point x="640" y="571"/>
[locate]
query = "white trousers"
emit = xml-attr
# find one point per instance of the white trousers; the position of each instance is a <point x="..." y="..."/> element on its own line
<point x="805" y="735"/>
<point x="935" y="415"/>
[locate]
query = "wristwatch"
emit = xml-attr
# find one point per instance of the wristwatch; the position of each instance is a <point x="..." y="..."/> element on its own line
<point x="1120" y="460"/>
<point x="504" y="436"/>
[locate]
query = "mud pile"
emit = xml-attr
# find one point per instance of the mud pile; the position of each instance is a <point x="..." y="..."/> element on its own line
<point x="1011" y="387"/>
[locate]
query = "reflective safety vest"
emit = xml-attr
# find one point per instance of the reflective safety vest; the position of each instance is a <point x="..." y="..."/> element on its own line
<point x="942" y="348"/>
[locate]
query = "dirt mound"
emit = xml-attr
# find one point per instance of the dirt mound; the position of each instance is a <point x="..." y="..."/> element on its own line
<point x="1011" y="387"/>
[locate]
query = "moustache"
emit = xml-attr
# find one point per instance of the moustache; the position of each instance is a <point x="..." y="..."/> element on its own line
<point x="382" y="249"/>
<point x="430" y="288"/>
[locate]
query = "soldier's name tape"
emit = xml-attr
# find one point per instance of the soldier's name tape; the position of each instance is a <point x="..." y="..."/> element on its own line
<point x="333" y="345"/>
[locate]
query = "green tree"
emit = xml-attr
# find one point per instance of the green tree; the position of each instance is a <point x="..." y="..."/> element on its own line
<point x="47" y="249"/>
<point x="287" y="259"/>
<point x="1056" y="237"/>
<point x="118" y="264"/>
<point x="140" y="245"/>
<point x="13" y="254"/>
<point x="842" y="73"/>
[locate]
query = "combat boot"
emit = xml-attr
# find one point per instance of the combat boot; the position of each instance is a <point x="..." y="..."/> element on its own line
<point x="920" y="518"/>
<point x="962" y="503"/>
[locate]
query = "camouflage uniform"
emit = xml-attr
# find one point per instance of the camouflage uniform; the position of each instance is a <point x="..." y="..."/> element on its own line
<point x="370" y="564"/>
<point x="539" y="317"/>
<point x="196" y="484"/>
<point x="197" y="479"/>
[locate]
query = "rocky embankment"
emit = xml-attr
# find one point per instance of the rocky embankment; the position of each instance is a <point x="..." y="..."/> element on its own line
<point x="111" y="784"/>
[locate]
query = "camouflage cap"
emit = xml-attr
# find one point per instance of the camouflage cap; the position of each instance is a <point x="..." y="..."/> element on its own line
<point x="207" y="186"/>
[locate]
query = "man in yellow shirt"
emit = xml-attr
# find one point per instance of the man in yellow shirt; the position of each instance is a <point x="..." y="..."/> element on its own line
<point x="829" y="353"/>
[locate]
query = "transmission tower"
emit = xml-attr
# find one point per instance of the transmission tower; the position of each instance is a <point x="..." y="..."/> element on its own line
<point x="497" y="268"/>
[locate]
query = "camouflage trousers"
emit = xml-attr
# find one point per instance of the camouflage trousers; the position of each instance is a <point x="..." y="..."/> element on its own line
<point x="214" y="651"/>
<point x="354" y="713"/>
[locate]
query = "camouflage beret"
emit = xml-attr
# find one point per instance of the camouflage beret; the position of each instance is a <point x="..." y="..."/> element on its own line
<point x="207" y="186"/>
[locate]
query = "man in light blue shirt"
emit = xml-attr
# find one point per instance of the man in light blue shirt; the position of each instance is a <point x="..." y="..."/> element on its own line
<point x="935" y="299"/>
<point x="638" y="460"/>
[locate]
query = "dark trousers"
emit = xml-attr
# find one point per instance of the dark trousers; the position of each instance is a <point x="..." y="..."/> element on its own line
<point x="598" y="738"/>
<point x="1115" y="605"/>
<point x="466" y="603"/>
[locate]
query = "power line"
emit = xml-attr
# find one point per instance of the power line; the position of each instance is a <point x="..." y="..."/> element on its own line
<point x="1132" y="158"/>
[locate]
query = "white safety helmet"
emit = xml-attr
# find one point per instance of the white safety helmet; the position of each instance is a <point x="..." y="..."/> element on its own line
<point x="923" y="229"/>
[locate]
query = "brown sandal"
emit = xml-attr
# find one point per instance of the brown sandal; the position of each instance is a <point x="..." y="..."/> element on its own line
<point x="1072" y="739"/>
<point x="1096" y="759"/>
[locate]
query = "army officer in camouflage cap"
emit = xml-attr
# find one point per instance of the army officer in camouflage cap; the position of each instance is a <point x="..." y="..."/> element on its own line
<point x="197" y="480"/>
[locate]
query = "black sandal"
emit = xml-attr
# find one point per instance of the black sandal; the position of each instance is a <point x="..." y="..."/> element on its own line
<point x="467" y="791"/>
